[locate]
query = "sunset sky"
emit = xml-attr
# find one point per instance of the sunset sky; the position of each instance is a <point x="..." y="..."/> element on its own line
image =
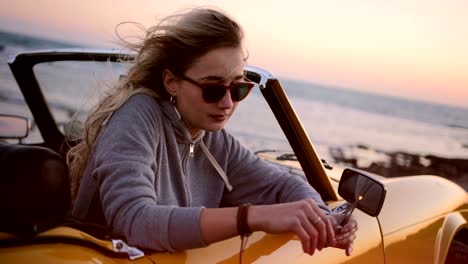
<point x="406" y="48"/>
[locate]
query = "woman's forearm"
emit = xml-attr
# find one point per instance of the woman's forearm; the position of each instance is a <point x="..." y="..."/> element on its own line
<point x="304" y="218"/>
<point x="218" y="224"/>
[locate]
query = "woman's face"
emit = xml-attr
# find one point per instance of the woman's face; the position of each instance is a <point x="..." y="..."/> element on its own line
<point x="224" y="66"/>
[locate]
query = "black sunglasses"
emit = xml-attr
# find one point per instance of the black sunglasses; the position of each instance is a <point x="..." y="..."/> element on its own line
<point x="213" y="92"/>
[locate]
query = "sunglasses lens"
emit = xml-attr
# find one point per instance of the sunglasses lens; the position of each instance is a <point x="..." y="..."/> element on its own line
<point x="239" y="92"/>
<point x="213" y="93"/>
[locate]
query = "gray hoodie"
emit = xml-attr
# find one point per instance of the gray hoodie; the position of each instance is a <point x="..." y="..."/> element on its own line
<point x="148" y="180"/>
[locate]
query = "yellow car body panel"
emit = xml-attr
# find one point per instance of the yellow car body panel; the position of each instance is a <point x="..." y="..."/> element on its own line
<point x="436" y="209"/>
<point x="420" y="216"/>
<point x="58" y="253"/>
<point x="261" y="248"/>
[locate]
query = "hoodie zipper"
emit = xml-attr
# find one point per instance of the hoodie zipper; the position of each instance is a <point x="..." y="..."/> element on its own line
<point x="191" y="149"/>
<point x="189" y="153"/>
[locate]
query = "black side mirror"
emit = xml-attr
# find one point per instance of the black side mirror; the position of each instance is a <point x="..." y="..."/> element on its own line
<point x="13" y="127"/>
<point x="362" y="191"/>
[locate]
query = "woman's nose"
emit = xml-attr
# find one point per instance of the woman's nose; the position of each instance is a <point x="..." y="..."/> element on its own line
<point x="226" y="102"/>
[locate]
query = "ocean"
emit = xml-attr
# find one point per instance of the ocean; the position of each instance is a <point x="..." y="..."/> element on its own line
<point x="334" y="117"/>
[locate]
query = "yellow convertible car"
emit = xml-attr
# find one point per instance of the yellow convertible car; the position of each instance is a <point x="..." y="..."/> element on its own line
<point x="412" y="219"/>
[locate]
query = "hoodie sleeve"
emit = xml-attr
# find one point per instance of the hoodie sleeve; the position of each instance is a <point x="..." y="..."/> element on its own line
<point x="260" y="182"/>
<point x="125" y="158"/>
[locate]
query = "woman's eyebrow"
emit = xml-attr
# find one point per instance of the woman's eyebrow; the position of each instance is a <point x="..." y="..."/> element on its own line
<point x="220" y="78"/>
<point x="212" y="78"/>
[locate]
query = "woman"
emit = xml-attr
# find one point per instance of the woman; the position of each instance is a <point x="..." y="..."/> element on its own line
<point x="157" y="165"/>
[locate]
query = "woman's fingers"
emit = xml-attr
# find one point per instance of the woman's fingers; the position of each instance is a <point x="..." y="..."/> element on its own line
<point x="346" y="235"/>
<point x="350" y="225"/>
<point x="321" y="224"/>
<point x="330" y="231"/>
<point x="310" y="226"/>
<point x="349" y="249"/>
<point x="345" y="240"/>
<point x="316" y="226"/>
<point x="305" y="231"/>
<point x="304" y="218"/>
<point x="305" y="241"/>
<point x="313" y="236"/>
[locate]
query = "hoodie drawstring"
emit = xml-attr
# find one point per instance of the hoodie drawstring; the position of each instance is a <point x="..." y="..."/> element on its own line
<point x="216" y="165"/>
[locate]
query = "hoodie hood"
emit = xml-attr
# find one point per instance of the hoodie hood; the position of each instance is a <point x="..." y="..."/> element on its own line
<point x="181" y="130"/>
<point x="183" y="136"/>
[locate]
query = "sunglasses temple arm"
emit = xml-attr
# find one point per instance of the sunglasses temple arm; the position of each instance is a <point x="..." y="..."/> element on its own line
<point x="260" y="75"/>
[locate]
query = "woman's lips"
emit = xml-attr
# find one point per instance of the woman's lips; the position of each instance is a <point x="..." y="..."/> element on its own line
<point x="219" y="118"/>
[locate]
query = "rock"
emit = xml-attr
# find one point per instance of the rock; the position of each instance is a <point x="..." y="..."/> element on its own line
<point x="403" y="164"/>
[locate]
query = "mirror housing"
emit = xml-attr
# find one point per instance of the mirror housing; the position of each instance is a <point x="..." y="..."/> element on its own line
<point x="362" y="191"/>
<point x="13" y="127"/>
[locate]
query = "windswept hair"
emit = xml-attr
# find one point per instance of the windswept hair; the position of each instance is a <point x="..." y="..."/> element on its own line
<point x="173" y="44"/>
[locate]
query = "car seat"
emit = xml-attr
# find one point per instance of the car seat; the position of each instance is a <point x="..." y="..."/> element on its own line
<point x="34" y="188"/>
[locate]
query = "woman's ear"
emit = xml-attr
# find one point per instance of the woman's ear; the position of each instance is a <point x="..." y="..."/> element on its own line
<point x="170" y="82"/>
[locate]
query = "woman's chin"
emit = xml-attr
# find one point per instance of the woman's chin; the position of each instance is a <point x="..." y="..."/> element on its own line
<point x="215" y="127"/>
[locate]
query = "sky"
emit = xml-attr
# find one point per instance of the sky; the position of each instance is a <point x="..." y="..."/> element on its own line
<point x="416" y="49"/>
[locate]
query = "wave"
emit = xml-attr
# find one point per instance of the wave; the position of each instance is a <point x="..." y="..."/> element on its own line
<point x="10" y="39"/>
<point x="457" y="126"/>
<point x="431" y="113"/>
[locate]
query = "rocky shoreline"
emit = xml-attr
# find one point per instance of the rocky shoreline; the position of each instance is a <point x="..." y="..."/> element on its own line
<point x="394" y="164"/>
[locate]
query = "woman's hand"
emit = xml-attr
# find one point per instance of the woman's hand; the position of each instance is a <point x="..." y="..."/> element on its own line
<point x="304" y="218"/>
<point x="345" y="234"/>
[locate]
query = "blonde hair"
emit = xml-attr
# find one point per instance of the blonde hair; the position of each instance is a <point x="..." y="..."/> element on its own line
<point x="173" y="44"/>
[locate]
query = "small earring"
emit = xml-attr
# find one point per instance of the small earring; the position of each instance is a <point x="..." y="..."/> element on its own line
<point x="172" y="100"/>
